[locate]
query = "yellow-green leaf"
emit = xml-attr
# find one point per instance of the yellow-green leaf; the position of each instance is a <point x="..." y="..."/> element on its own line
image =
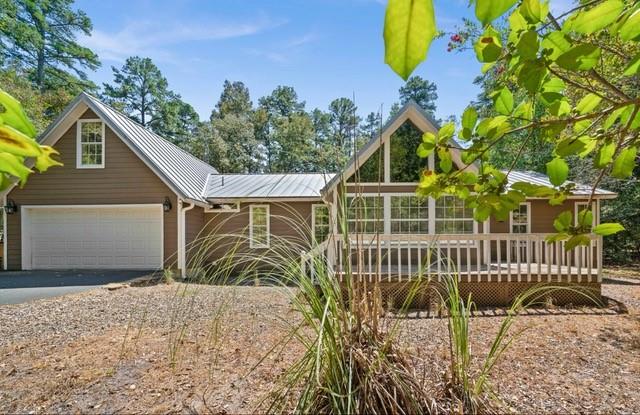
<point x="488" y="47"/>
<point x="557" y="171"/>
<point x="557" y="43"/>
<point x="605" y="229"/>
<point x="409" y="29"/>
<point x="594" y="19"/>
<point x="489" y="10"/>
<point x="46" y="160"/>
<point x="630" y="30"/>
<point x="624" y="164"/>
<point x="579" y="58"/>
<point x="503" y="101"/>
<point x="588" y="103"/>
<point x="528" y="45"/>
<point x="633" y="67"/>
<point x="534" y="11"/>
<point x="604" y="155"/>
<point x="12" y="114"/>
<point x="14" y="166"/>
<point x="16" y="142"/>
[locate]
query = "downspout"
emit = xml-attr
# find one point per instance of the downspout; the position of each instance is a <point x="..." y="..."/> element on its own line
<point x="182" y="236"/>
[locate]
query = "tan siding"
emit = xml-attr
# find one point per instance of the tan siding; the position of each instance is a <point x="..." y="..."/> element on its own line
<point x="194" y="224"/>
<point x="125" y="180"/>
<point x="291" y="221"/>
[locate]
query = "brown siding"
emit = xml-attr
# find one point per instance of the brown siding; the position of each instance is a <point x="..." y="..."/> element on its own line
<point x="291" y="221"/>
<point x="542" y="216"/>
<point x="125" y="179"/>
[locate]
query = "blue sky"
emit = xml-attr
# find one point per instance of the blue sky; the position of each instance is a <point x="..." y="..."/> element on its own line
<point x="323" y="48"/>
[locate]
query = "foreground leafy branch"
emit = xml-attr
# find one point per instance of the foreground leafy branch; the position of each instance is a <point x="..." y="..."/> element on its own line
<point x="571" y="79"/>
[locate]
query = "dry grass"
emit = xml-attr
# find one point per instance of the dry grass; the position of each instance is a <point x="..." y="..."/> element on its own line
<point x="67" y="354"/>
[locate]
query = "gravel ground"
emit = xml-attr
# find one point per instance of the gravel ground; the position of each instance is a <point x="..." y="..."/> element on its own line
<point x="161" y="349"/>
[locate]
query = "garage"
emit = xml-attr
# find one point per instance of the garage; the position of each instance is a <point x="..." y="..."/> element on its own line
<point x="92" y="237"/>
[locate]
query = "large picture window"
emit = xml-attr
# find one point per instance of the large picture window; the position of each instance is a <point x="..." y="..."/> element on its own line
<point x="452" y="216"/>
<point x="90" y="146"/>
<point x="409" y="214"/>
<point x="365" y="214"/>
<point x="259" y="226"/>
<point x="321" y="227"/>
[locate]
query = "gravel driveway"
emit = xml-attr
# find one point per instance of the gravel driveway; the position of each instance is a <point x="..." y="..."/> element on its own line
<point x="22" y="286"/>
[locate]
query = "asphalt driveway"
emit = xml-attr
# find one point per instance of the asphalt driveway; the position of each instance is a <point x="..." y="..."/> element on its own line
<point x="21" y="286"/>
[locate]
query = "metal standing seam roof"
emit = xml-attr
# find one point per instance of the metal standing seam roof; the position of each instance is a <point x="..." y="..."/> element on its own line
<point x="248" y="186"/>
<point x="541" y="179"/>
<point x="186" y="172"/>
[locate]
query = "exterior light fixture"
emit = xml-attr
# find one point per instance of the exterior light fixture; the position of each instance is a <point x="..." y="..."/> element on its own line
<point x="166" y="205"/>
<point x="10" y="208"/>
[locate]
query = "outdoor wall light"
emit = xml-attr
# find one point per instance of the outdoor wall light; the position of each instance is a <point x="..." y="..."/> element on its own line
<point x="166" y="205"/>
<point x="11" y="207"/>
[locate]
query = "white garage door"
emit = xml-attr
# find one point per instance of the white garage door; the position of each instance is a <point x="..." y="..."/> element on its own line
<point x="120" y="237"/>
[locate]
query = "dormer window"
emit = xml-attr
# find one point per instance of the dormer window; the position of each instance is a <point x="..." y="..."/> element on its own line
<point x="90" y="147"/>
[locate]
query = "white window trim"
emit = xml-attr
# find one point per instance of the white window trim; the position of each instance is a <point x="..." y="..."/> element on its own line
<point x="385" y="210"/>
<point x="528" y="204"/>
<point x="313" y="219"/>
<point x="79" y="164"/>
<point x="252" y="243"/>
<point x="386" y="214"/>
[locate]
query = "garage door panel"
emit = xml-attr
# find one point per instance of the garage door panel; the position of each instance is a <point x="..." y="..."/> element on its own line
<point x="95" y="237"/>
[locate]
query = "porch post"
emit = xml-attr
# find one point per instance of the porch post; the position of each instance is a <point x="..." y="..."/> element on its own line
<point x="333" y="224"/>
<point x="486" y="244"/>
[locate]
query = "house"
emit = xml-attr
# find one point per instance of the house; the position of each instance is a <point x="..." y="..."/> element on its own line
<point x="128" y="199"/>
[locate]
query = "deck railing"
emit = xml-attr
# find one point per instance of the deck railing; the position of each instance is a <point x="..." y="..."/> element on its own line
<point x="474" y="257"/>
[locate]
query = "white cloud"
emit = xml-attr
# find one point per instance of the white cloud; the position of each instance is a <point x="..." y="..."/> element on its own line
<point x="151" y="38"/>
<point x="283" y="51"/>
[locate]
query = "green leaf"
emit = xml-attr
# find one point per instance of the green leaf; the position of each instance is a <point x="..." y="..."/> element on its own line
<point x="577" y="240"/>
<point x="563" y="221"/>
<point x="524" y="110"/>
<point x="560" y="108"/>
<point x="446" y="164"/>
<point x="13" y="115"/>
<point x="571" y="146"/>
<point x="633" y="67"/>
<point x="531" y="75"/>
<point x="562" y="236"/>
<point x="482" y="213"/>
<point x="594" y="19"/>
<point x="625" y="163"/>
<point x="489" y="10"/>
<point x="605" y="229"/>
<point x="579" y="58"/>
<point x="604" y="155"/>
<point x="517" y="23"/>
<point x="409" y="29"/>
<point x="553" y="84"/>
<point x="630" y="30"/>
<point x="488" y="46"/>
<point x="446" y="131"/>
<point x="528" y="45"/>
<point x="557" y="43"/>
<point x="469" y="119"/>
<point x="503" y="101"/>
<point x="585" y="218"/>
<point x="557" y="170"/>
<point x="424" y="150"/>
<point x="534" y="11"/>
<point x="615" y="115"/>
<point x="588" y="103"/>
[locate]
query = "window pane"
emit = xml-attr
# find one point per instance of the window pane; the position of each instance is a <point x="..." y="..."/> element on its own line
<point x="259" y="225"/>
<point x="321" y="223"/>
<point x="409" y="214"/>
<point x="91" y="143"/>
<point x="452" y="216"/>
<point x="365" y="214"/>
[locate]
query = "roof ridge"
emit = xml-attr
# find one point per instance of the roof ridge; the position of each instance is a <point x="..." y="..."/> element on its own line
<point x="118" y="112"/>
